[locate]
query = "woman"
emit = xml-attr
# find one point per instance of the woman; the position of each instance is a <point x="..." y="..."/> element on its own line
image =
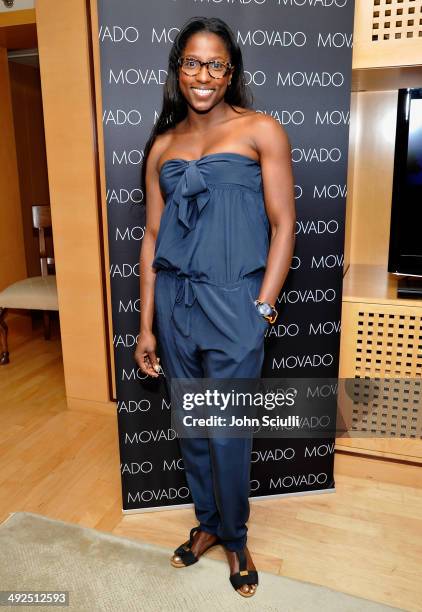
<point x="210" y="272"/>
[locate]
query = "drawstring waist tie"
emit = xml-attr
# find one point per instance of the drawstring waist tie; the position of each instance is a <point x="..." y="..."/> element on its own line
<point x="186" y="292"/>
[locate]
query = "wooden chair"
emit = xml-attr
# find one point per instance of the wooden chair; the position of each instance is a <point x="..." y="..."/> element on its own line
<point x="35" y="292"/>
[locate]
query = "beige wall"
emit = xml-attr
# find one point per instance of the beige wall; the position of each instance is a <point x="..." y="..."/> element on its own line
<point x="18" y="5"/>
<point x="101" y="162"/>
<point x="12" y="253"/>
<point x="31" y="156"/>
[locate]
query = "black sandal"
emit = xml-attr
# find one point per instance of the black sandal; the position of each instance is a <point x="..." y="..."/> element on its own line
<point x="244" y="576"/>
<point x="184" y="551"/>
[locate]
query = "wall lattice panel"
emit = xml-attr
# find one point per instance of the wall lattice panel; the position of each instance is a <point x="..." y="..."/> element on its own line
<point x="388" y="344"/>
<point x="387" y="33"/>
<point x="381" y="355"/>
<point x="396" y="19"/>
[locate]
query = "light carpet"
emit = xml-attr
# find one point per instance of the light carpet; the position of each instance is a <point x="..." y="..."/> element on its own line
<point x="110" y="573"/>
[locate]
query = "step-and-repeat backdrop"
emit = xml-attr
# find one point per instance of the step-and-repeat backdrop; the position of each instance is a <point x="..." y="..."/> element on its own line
<point x="298" y="60"/>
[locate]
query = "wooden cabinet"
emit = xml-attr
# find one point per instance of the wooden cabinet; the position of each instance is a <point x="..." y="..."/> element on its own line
<point x="381" y="347"/>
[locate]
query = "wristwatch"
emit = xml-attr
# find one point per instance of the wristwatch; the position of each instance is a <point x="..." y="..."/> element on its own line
<point x="267" y="310"/>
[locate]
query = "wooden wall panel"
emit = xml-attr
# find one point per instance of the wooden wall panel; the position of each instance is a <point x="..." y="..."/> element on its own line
<point x="350" y="179"/>
<point x="101" y="156"/>
<point x="69" y="121"/>
<point x="368" y="221"/>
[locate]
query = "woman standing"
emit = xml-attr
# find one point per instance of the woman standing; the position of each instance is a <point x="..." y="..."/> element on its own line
<point x="215" y="255"/>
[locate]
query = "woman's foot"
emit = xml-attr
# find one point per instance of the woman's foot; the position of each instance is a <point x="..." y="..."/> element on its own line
<point x="201" y="542"/>
<point x="249" y="587"/>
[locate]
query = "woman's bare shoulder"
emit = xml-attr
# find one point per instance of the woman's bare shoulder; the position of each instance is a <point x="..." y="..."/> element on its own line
<point x="268" y="131"/>
<point x="268" y="124"/>
<point x="160" y="145"/>
<point x="257" y="120"/>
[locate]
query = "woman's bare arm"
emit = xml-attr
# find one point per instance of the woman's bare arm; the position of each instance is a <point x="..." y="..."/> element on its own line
<point x="154" y="209"/>
<point x="273" y="146"/>
<point x="145" y="351"/>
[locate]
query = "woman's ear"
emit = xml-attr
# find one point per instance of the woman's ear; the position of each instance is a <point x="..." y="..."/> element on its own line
<point x="231" y="75"/>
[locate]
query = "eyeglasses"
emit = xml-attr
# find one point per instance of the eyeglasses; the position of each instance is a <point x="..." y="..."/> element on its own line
<point x="191" y="67"/>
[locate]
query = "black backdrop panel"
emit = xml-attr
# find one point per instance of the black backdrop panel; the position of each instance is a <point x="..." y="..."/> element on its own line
<point x="298" y="61"/>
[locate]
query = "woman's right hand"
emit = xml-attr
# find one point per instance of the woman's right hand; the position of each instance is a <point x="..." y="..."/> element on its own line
<point x="145" y="355"/>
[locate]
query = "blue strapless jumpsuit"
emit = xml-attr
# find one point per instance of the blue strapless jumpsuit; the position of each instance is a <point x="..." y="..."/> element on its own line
<point x="210" y="256"/>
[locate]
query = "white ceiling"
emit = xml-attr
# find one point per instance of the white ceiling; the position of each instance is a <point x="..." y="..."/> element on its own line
<point x="18" y="5"/>
<point x="24" y="56"/>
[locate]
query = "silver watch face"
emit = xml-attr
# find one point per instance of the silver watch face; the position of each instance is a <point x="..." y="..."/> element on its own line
<point x="264" y="309"/>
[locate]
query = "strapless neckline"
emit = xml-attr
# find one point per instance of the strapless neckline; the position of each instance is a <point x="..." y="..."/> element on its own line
<point x="214" y="205"/>
<point x="208" y="155"/>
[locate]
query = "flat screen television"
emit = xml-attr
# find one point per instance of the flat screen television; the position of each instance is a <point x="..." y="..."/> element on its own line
<point x="405" y="249"/>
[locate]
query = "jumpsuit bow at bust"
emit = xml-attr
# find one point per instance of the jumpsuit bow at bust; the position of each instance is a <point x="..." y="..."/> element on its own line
<point x="191" y="195"/>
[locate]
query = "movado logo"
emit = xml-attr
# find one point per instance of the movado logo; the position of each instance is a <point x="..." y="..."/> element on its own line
<point x="314" y="3"/>
<point x="134" y="157"/>
<point x="286" y="117"/>
<point x="117" y="34"/>
<point x="131" y="406"/>
<point x="121" y="117"/>
<point x="272" y="455"/>
<point x="158" y="495"/>
<point x="136" y="468"/>
<point x="271" y="38"/>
